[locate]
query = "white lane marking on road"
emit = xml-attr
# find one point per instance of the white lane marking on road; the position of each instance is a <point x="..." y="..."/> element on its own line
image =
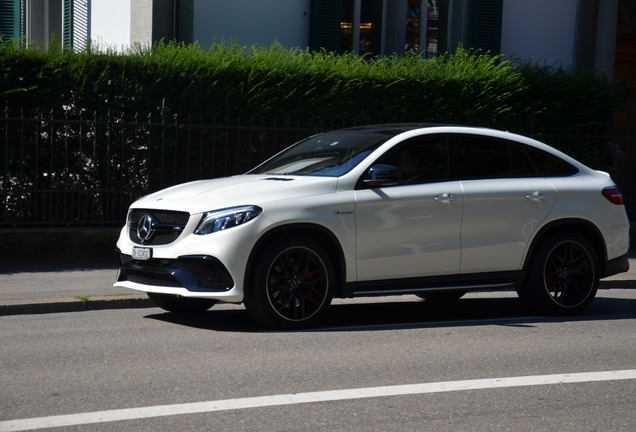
<point x="299" y="398"/>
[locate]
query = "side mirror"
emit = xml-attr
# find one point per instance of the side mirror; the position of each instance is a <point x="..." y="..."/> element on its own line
<point x="383" y="175"/>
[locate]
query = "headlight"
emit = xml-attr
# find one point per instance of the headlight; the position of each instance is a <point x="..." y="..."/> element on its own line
<point x="219" y="220"/>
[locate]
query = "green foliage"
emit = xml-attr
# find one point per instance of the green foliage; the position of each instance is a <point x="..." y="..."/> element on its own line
<point x="562" y="97"/>
<point x="466" y="87"/>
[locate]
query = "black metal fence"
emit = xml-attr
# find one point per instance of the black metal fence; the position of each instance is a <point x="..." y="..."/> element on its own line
<point x="85" y="170"/>
<point x="61" y="169"/>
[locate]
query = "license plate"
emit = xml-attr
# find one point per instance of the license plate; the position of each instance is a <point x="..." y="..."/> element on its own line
<point x="142" y="253"/>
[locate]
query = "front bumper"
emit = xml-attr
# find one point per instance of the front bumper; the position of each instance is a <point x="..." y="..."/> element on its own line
<point x="190" y="276"/>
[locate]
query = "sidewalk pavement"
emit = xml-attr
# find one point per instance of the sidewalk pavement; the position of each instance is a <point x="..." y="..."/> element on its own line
<point x="52" y="289"/>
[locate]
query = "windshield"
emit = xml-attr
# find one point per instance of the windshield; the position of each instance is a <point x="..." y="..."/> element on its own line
<point x="330" y="154"/>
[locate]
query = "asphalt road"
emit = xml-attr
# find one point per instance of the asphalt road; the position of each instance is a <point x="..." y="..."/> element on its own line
<point x="375" y="365"/>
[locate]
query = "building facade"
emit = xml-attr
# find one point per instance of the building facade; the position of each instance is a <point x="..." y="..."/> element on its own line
<point x="577" y="33"/>
<point x="43" y="21"/>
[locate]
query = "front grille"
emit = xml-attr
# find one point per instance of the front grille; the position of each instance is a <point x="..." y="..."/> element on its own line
<point x="170" y="217"/>
<point x="157" y="239"/>
<point x="167" y="226"/>
<point x="195" y="273"/>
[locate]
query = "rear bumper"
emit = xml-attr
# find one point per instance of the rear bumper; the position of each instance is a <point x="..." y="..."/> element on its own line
<point x="616" y="266"/>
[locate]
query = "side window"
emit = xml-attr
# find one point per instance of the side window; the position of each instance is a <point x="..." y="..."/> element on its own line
<point x="480" y="157"/>
<point x="522" y="165"/>
<point x="549" y="165"/>
<point x="422" y="159"/>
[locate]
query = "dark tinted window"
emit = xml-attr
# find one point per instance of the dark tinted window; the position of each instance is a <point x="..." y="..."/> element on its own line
<point x="421" y="159"/>
<point x="549" y="165"/>
<point x="435" y="158"/>
<point x="480" y="157"/>
<point x="522" y="165"/>
<point x="477" y="157"/>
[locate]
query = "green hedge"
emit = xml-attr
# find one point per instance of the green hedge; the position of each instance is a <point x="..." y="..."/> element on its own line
<point x="228" y="80"/>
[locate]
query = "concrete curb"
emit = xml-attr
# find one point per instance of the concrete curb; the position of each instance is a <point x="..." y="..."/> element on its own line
<point x="29" y="307"/>
<point x="617" y="284"/>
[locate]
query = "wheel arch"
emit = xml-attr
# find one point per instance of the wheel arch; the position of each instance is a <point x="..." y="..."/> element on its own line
<point x="317" y="233"/>
<point x="580" y="226"/>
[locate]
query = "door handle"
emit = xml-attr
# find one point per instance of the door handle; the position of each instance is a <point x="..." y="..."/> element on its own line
<point x="445" y="198"/>
<point x="535" y="196"/>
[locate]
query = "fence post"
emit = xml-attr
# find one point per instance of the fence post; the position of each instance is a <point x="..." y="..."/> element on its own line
<point x="150" y="152"/>
<point x="176" y="148"/>
<point x="95" y="163"/>
<point x="163" y="144"/>
<point x="5" y="176"/>
<point x="51" y="166"/>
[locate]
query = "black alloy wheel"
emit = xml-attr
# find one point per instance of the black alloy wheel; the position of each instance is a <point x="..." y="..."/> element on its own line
<point x="292" y="285"/>
<point x="563" y="276"/>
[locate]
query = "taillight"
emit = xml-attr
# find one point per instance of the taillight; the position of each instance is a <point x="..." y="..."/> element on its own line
<point x="613" y="195"/>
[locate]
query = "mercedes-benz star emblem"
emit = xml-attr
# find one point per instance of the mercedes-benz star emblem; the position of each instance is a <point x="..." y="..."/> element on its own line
<point x="145" y="228"/>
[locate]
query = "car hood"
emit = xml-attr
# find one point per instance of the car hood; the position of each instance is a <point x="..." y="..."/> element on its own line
<point x="248" y="189"/>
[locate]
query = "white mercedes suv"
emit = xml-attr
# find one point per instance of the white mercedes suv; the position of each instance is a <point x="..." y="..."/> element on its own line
<point x="429" y="210"/>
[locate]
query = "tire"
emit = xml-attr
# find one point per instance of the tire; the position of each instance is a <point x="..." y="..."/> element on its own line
<point x="181" y="305"/>
<point x="442" y="296"/>
<point x="563" y="276"/>
<point x="292" y="285"/>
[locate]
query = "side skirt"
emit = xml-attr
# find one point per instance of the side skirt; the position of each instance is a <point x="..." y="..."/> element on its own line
<point x="496" y="281"/>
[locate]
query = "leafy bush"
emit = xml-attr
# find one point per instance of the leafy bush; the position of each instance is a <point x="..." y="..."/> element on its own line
<point x="227" y="80"/>
<point x="564" y="98"/>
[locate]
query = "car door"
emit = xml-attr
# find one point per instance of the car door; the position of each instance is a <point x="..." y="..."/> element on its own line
<point x="412" y="229"/>
<point x="505" y="201"/>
